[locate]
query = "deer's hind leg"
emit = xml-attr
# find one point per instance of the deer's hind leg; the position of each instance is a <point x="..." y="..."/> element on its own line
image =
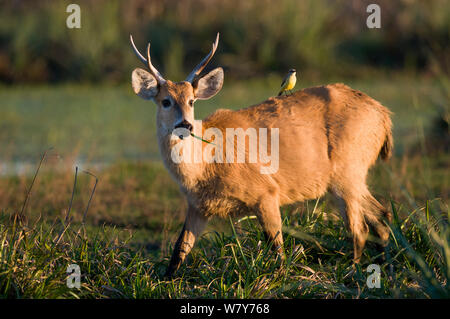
<point x="378" y="218"/>
<point x="352" y="212"/>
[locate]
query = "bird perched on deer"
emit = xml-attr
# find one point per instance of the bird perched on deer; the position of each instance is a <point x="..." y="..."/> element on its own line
<point x="288" y="82"/>
<point x="326" y="138"/>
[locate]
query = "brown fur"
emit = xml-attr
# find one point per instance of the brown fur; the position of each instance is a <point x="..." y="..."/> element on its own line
<point x="329" y="138"/>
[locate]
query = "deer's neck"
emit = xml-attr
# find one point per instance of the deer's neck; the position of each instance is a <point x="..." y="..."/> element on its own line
<point x="183" y="167"/>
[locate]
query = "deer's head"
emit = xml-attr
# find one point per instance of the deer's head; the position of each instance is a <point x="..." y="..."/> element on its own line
<point x="175" y="100"/>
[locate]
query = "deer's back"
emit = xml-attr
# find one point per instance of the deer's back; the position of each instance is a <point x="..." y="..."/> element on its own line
<point x="322" y="131"/>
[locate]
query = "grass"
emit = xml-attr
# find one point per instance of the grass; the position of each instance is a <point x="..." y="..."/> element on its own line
<point x="224" y="265"/>
<point x="125" y="244"/>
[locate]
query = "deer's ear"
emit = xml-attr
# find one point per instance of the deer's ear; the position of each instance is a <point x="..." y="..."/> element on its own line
<point x="208" y="85"/>
<point x="144" y="84"/>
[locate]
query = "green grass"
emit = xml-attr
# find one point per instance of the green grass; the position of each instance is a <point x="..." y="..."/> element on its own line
<point x="237" y="264"/>
<point x="136" y="215"/>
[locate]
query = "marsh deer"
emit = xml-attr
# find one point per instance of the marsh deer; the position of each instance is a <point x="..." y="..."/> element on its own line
<point x="329" y="137"/>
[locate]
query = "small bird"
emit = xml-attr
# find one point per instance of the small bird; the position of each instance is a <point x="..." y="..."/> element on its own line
<point x="288" y="82"/>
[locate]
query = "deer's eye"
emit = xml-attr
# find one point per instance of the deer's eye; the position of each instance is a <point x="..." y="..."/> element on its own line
<point x="191" y="102"/>
<point x="166" y="103"/>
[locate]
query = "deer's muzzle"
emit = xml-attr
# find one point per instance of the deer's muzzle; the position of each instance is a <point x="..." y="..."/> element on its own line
<point x="184" y="125"/>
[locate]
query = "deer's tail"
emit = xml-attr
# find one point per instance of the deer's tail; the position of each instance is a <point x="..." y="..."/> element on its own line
<point x="388" y="145"/>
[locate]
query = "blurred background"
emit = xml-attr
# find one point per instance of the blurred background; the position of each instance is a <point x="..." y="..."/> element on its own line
<point x="69" y="89"/>
<point x="322" y="38"/>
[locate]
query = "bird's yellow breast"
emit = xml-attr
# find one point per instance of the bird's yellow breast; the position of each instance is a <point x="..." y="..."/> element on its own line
<point x="290" y="82"/>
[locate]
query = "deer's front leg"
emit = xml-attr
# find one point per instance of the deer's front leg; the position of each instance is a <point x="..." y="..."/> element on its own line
<point x="193" y="226"/>
<point x="269" y="216"/>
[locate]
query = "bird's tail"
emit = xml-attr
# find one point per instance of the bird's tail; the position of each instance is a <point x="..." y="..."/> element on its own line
<point x="281" y="92"/>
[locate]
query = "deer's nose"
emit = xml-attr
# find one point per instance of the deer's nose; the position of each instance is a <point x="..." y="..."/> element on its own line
<point x="185" y="124"/>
